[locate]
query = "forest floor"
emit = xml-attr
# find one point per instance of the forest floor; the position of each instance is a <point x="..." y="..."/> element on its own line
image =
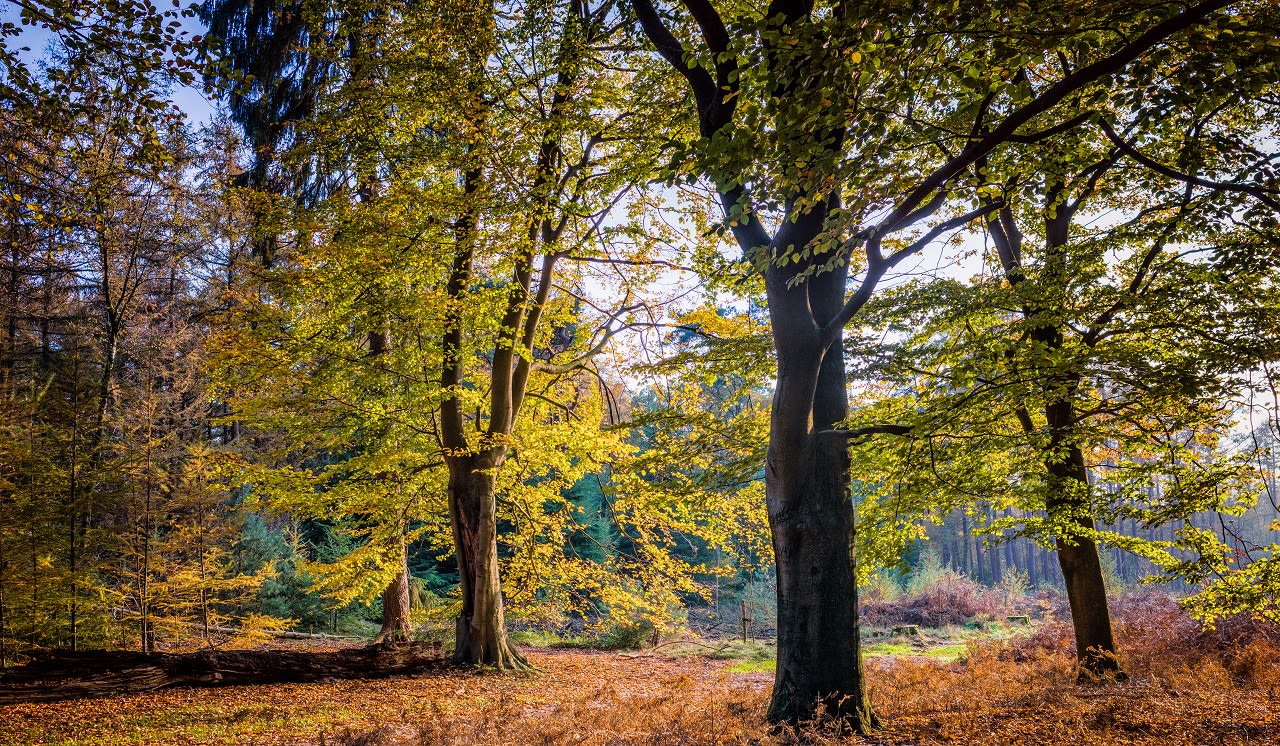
<point x="1187" y="687"/>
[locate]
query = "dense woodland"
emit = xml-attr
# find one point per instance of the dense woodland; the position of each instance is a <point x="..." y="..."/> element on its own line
<point x="616" y="319"/>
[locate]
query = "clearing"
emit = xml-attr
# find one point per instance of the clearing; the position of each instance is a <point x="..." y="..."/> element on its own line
<point x="1187" y="688"/>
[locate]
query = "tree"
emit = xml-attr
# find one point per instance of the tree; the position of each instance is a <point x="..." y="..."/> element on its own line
<point x="101" y="308"/>
<point x="139" y="47"/>
<point x="1081" y="350"/>
<point x="469" y="237"/>
<point x="305" y="82"/>
<point x="565" y="166"/>
<point x="802" y="144"/>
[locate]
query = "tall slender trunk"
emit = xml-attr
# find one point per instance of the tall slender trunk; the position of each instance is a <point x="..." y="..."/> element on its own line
<point x="144" y="573"/>
<point x="11" y="309"/>
<point x="396" y="624"/>
<point x="204" y="593"/>
<point x="73" y="505"/>
<point x="4" y="628"/>
<point x="1033" y="576"/>
<point x="994" y="551"/>
<point x="1068" y="502"/>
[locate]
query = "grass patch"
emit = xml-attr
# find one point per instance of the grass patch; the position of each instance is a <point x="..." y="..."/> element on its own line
<point x="744" y="651"/>
<point x="538" y="638"/>
<point x="882" y="649"/>
<point x="760" y="666"/>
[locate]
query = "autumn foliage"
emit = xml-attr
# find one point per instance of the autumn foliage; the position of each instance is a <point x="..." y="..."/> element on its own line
<point x="1188" y="686"/>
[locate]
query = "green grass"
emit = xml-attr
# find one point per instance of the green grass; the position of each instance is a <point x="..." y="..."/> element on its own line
<point x="764" y="666"/>
<point x="882" y="649"/>
<point x="759" y="658"/>
<point x="536" y="638"/>
<point x="943" y="645"/>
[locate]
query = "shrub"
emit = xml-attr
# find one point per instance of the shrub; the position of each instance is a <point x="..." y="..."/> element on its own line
<point x="948" y="599"/>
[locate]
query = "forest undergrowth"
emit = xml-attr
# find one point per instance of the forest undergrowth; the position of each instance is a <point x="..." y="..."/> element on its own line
<point x="1187" y="686"/>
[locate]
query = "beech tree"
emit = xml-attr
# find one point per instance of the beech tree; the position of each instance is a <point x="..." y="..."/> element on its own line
<point x="557" y="171"/>
<point x="103" y="246"/>
<point x="479" y="223"/>
<point x="1105" y="342"/>
<point x="814" y="123"/>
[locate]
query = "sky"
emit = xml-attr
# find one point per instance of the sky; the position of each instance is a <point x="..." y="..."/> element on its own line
<point x="33" y="45"/>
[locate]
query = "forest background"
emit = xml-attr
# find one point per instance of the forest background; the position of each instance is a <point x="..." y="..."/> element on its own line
<point x="444" y="294"/>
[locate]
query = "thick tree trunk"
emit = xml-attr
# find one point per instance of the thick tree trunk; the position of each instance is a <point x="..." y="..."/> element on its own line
<point x="481" y="633"/>
<point x="819" y="668"/>
<point x="1090" y="617"/>
<point x="396" y="625"/>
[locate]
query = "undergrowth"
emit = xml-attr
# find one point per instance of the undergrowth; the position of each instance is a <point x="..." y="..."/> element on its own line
<point x="1188" y="687"/>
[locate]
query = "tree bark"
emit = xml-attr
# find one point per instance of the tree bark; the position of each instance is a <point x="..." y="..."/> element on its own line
<point x="396" y="625"/>
<point x="1078" y="554"/>
<point x="819" y="665"/>
<point x="60" y="676"/>
<point x="481" y="633"/>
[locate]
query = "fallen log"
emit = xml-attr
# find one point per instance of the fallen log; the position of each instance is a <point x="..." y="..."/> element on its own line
<point x="66" y="675"/>
<point x="283" y="634"/>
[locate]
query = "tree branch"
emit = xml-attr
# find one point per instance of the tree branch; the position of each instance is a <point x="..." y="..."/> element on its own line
<point x="1050" y="98"/>
<point x="877" y="266"/>
<point x="865" y="432"/>
<point x="1264" y="196"/>
<point x="703" y="85"/>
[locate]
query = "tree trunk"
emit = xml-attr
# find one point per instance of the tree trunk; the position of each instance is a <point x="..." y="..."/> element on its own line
<point x="481" y="633"/>
<point x="819" y="668"/>
<point x="396" y="625"/>
<point x="1033" y="575"/>
<point x="994" y="551"/>
<point x="1068" y="503"/>
<point x="1086" y="592"/>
